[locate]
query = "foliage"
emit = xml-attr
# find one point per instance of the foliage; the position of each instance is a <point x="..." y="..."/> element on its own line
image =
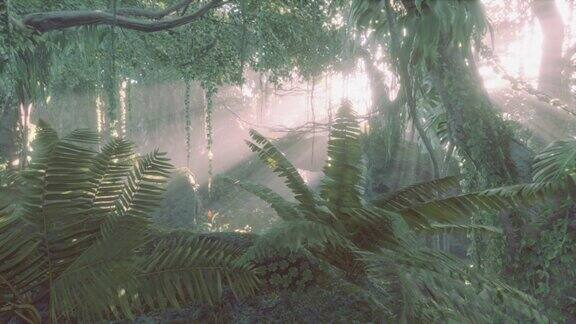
<point x="288" y="271"/>
<point x="365" y="240"/>
<point x="180" y="207"/>
<point x="555" y="161"/>
<point x="75" y="238"/>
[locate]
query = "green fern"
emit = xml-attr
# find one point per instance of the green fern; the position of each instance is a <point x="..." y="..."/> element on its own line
<point x="285" y="209"/>
<point x="363" y="239"/>
<point x="278" y="162"/>
<point x="193" y="268"/>
<point x="555" y="162"/>
<point x="456" y="208"/>
<point x="343" y="174"/>
<point x="77" y="237"/>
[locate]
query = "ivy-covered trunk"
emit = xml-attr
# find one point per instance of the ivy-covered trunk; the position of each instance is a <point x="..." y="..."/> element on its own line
<point x="474" y="125"/>
<point x="487" y="144"/>
<point x="8" y="130"/>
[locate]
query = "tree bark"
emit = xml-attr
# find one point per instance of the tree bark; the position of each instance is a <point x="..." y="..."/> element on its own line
<point x="404" y="73"/>
<point x="8" y="131"/>
<point x="58" y="20"/>
<point x="474" y="126"/>
<point x="551" y="62"/>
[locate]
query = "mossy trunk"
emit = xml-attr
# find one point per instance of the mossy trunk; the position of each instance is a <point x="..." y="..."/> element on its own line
<point x="8" y="130"/>
<point x="475" y="127"/>
<point x="482" y="137"/>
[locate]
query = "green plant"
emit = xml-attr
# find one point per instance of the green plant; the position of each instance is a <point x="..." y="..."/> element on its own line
<point x="373" y="244"/>
<point x="76" y="239"/>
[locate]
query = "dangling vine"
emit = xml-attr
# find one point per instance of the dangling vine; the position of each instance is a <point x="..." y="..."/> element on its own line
<point x="123" y="114"/>
<point x="188" y="119"/>
<point x="110" y="83"/>
<point x="99" y="115"/>
<point x="210" y="93"/>
<point x="128" y="99"/>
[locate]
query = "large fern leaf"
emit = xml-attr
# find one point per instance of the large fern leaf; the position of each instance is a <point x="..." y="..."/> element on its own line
<point x="193" y="269"/>
<point x="296" y="235"/>
<point x="418" y="193"/>
<point x="109" y="170"/>
<point x="108" y="261"/>
<point x="285" y="209"/>
<point x="278" y="162"/>
<point x="343" y="171"/>
<point x="435" y="287"/>
<point x="456" y="208"/>
<point x="555" y="162"/>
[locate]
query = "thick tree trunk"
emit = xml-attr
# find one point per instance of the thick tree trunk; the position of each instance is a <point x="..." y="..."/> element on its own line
<point x="480" y="135"/>
<point x="551" y="63"/>
<point x="474" y="126"/>
<point x="8" y="130"/>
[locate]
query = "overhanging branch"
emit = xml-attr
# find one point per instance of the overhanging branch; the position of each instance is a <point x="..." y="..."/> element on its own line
<point x="151" y="14"/>
<point x="58" y="20"/>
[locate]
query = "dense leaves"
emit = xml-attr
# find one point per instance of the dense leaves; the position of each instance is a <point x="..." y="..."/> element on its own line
<point x="75" y="238"/>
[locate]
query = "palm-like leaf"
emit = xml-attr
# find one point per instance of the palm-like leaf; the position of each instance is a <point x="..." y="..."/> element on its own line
<point x="435" y="287"/>
<point x="110" y="168"/>
<point x="296" y="235"/>
<point x="456" y="208"/>
<point x="278" y="162"/>
<point x="193" y="268"/>
<point x="418" y="193"/>
<point x="9" y="192"/>
<point x="285" y="209"/>
<point x="343" y="174"/>
<point x="76" y="237"/>
<point x="347" y="228"/>
<point x="555" y="162"/>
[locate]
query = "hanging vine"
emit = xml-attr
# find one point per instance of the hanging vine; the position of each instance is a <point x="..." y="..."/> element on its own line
<point x="210" y="93"/>
<point x="110" y="79"/>
<point x="128" y="99"/>
<point x="188" y="119"/>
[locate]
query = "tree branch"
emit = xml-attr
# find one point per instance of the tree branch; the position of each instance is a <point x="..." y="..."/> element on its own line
<point x="58" y="20"/>
<point x="145" y="13"/>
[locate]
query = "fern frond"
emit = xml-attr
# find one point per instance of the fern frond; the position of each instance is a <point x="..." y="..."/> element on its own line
<point x="278" y="162"/>
<point x="109" y="170"/>
<point x="436" y="227"/>
<point x="296" y="235"/>
<point x="418" y="193"/>
<point x="437" y="287"/>
<point x="285" y="209"/>
<point x="555" y="162"/>
<point x="372" y="228"/>
<point x="99" y="280"/>
<point x="9" y="192"/>
<point x="343" y="174"/>
<point x="83" y="136"/>
<point x="22" y="267"/>
<point x="452" y="209"/>
<point x="144" y="186"/>
<point x="74" y="234"/>
<point x="193" y="269"/>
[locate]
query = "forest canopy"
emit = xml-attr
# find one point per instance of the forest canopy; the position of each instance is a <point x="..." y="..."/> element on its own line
<point x="404" y="161"/>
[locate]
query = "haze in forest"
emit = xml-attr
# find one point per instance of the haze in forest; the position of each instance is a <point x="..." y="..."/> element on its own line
<point x="404" y="161"/>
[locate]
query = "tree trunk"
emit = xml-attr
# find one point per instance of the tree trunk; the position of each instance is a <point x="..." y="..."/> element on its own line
<point x="474" y="126"/>
<point x="8" y="130"/>
<point x="551" y="63"/>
